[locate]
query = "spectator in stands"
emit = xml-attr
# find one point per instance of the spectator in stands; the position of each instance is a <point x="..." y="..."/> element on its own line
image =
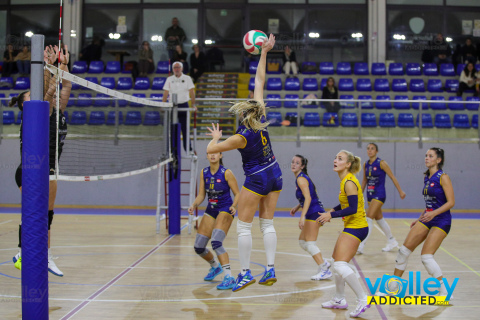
<point x="330" y="91"/>
<point x="92" y="52"/>
<point x="9" y="61"/>
<point x="174" y="36"/>
<point x="468" y="80"/>
<point x="197" y="63"/>
<point x="145" y="59"/>
<point x="469" y="52"/>
<point x="442" y="52"/>
<point x="179" y="55"/>
<point x="23" y="61"/>
<point x="290" y="62"/>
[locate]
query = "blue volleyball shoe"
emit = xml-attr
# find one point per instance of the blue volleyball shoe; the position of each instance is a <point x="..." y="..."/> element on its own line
<point x="227" y="283"/>
<point x="268" y="278"/>
<point x="243" y="281"/>
<point x="213" y="272"/>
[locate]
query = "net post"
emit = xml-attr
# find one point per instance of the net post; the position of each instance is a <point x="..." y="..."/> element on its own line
<point x="117" y="121"/>
<point x="35" y="185"/>
<point x="159" y="198"/>
<point x="175" y="169"/>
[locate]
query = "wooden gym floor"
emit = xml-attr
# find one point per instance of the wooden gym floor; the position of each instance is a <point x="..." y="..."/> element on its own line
<point x="117" y="267"/>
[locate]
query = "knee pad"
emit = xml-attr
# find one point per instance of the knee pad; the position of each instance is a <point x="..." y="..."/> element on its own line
<point x="266" y="226"/>
<point x="342" y="268"/>
<point x="402" y="258"/>
<point x="200" y="245"/>
<point x="311" y="247"/>
<point x="302" y="244"/>
<point x="244" y="229"/>
<point x="431" y="265"/>
<point x="218" y="236"/>
<point x="50" y="218"/>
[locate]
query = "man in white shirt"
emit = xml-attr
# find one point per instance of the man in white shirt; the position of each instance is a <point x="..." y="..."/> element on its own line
<point x="183" y="86"/>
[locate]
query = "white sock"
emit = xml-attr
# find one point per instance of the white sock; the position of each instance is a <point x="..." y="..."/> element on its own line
<point x="443" y="289"/>
<point x="244" y="244"/>
<point x="370" y="227"/>
<point x="385" y="228"/>
<point x="353" y="282"/>
<point x="227" y="270"/>
<point x="339" y="287"/>
<point x="213" y="263"/>
<point x="270" y="243"/>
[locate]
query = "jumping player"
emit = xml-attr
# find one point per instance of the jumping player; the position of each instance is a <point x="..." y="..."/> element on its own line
<point x="306" y="194"/>
<point x="352" y="211"/>
<point x="216" y="181"/>
<point x="263" y="181"/>
<point x="374" y="171"/>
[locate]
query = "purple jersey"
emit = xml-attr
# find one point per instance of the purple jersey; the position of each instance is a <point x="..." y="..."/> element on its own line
<point x="217" y="189"/>
<point x="375" y="179"/>
<point x="433" y="193"/>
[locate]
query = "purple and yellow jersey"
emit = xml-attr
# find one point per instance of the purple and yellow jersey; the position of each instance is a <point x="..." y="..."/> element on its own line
<point x="315" y="205"/>
<point x="375" y="179"/>
<point x="217" y="189"/>
<point x="358" y="219"/>
<point x="433" y="192"/>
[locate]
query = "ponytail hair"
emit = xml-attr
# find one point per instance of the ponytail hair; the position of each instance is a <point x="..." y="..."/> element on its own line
<point x="252" y="112"/>
<point x="221" y="159"/>
<point x="355" y="161"/>
<point x="440" y="154"/>
<point x="304" y="163"/>
<point x="18" y="100"/>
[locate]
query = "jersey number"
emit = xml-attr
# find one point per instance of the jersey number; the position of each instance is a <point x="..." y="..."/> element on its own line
<point x="264" y="140"/>
<point x="211" y="186"/>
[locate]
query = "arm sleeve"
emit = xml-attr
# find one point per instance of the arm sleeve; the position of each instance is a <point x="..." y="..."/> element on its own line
<point x="337" y="208"/>
<point x="348" y="211"/>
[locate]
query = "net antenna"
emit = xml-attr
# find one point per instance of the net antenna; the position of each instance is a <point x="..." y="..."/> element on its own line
<point x="57" y="100"/>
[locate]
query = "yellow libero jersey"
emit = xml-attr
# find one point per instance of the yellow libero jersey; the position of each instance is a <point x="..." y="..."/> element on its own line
<point x="359" y="219"/>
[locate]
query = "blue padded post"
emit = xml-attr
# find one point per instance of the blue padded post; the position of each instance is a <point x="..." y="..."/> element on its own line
<point x="174" y="170"/>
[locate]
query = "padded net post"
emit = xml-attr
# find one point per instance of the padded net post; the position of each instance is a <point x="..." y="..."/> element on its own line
<point x="174" y="173"/>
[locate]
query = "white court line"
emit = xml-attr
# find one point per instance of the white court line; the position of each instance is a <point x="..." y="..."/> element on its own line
<point x="6" y="221"/>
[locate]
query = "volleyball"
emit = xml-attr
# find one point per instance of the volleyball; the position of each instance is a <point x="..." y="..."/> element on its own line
<point x="253" y="40"/>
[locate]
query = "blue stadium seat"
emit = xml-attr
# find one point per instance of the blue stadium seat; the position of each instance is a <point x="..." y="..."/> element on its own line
<point x="307" y="66"/>
<point x="312" y="119"/>
<point x="292" y="84"/>
<point x="349" y="119"/>
<point x="142" y="83"/>
<point x="405" y="120"/>
<point x="251" y="84"/>
<point x="387" y="120"/>
<point x="134" y="118"/>
<point x="310" y="84"/>
<point x="111" y="118"/>
<point x="108" y="82"/>
<point x="274" y="104"/>
<point x="395" y="69"/>
<point x="461" y="121"/>
<point x="252" y="67"/>
<point x="447" y="70"/>
<point x="96" y="118"/>
<point x="451" y="85"/>
<point x="275" y="118"/>
<point x="399" y="104"/>
<point x="22" y="83"/>
<point x="156" y="96"/>
<point x="96" y="67"/>
<point x="71" y="100"/>
<point x="442" y="120"/>
<point x="460" y="68"/>
<point x="163" y="67"/>
<point x="417" y="85"/>
<point x="323" y="83"/>
<point x="76" y="86"/>
<point x="6" y="83"/>
<point x="274" y="84"/>
<point x="124" y="83"/>
<point x="102" y="102"/>
<point x="369" y="120"/>
<point x="152" y="118"/>
<point x="379" y="69"/>
<point x="78" y="118"/>
<point x="426" y="120"/>
<point x="434" y="85"/>
<point x="326" y="68"/>
<point x="361" y="69"/>
<point x="381" y="85"/>
<point x="8" y="117"/>
<point x="79" y="67"/>
<point x="413" y="69"/>
<point x="399" y="85"/>
<point x="158" y="83"/>
<point x="84" y="100"/>
<point x="383" y="105"/>
<point x="138" y="95"/>
<point x="347" y="105"/>
<point x="430" y="69"/>
<point x="3" y="100"/>
<point x="309" y="104"/>
<point x="330" y="119"/>
<point x="345" y="84"/>
<point x="416" y="105"/>
<point x="112" y="67"/>
<point x="364" y="84"/>
<point x="438" y="105"/>
<point x="472" y="106"/>
<point x="475" y="121"/>
<point x="291" y="101"/>
<point x="91" y="79"/>
<point x="455" y="106"/>
<point x="19" y="117"/>
<point x="367" y="104"/>
<point x="344" y="68"/>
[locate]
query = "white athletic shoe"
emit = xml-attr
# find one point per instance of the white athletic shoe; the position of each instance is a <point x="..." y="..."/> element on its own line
<point x="391" y="244"/>
<point x="335" y="304"/>
<point x="360" y="248"/>
<point x="323" y="273"/>
<point x="362" y="306"/>
<point x="52" y="267"/>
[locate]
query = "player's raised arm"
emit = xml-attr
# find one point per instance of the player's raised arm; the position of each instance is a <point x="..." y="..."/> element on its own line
<point x="261" y="69"/>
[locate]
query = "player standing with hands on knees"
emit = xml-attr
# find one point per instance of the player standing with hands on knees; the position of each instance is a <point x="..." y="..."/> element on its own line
<point x="263" y="181"/>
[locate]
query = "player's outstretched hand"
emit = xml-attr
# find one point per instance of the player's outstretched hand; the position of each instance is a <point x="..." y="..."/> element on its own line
<point x="232" y="210"/>
<point x="324" y="217"/>
<point x="190" y="210"/>
<point x="292" y="212"/>
<point x="267" y="45"/>
<point x="402" y="195"/>
<point x="215" y="132"/>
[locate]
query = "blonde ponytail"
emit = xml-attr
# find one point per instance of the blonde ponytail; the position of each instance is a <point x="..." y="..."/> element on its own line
<point x="252" y="112"/>
<point x="356" y="162"/>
